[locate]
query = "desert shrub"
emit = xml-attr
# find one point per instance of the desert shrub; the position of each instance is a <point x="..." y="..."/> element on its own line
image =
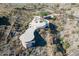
<point x="61" y="40"/>
<point x="4" y="20"/>
<point x="71" y="16"/>
<point x="66" y="45"/>
<point x="44" y="13"/>
<point x="78" y="46"/>
<point x="54" y="18"/>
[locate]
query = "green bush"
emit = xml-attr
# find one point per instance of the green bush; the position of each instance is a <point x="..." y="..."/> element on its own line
<point x="44" y="13"/>
<point x="62" y="38"/>
<point x="54" y="18"/>
<point x="66" y="45"/>
<point x="78" y="46"/>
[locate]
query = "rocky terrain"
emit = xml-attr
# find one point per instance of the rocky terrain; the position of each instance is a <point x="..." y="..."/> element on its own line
<point x="14" y="20"/>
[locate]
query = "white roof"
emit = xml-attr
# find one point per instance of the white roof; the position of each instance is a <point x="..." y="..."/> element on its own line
<point x="27" y="36"/>
<point x="29" y="33"/>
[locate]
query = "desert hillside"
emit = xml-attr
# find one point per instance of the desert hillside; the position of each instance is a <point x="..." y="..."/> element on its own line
<point x="14" y="20"/>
